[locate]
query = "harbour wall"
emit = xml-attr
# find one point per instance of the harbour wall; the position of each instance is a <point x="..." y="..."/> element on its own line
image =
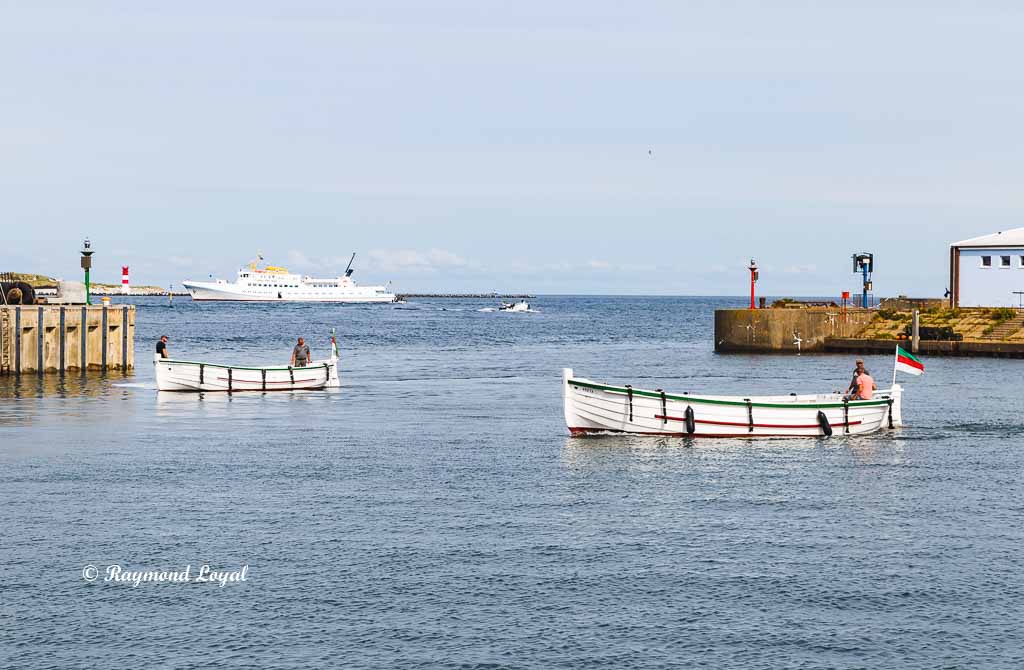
<point x="778" y="330"/>
<point x="56" y="338"/>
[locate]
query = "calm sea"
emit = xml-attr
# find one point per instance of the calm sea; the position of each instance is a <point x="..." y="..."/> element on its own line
<point x="434" y="513"/>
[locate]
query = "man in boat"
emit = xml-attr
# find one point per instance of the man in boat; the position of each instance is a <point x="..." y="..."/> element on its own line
<point x="858" y="370"/>
<point x="300" y="355"/>
<point x="863" y="382"/>
<point x="161" y="346"/>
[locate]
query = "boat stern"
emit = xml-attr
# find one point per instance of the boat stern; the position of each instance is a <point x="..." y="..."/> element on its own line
<point x="897" y="405"/>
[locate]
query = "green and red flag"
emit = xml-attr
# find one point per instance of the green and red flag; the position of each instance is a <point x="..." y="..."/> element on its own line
<point x="907" y="362"/>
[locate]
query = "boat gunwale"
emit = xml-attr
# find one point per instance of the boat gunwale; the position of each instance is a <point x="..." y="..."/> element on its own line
<point x="242" y="367"/>
<point x="735" y="403"/>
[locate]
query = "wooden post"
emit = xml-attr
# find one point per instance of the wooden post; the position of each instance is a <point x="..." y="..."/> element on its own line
<point x="103" y="341"/>
<point x="84" y="332"/>
<point x="63" y="342"/>
<point x="124" y="338"/>
<point x="39" y="342"/>
<point x="17" y="340"/>
<point x="915" y="331"/>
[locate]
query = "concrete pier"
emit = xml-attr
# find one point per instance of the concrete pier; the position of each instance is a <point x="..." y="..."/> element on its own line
<point x="56" y="338"/>
<point x="785" y="330"/>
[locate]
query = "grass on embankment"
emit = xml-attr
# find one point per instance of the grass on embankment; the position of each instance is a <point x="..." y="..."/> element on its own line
<point x="971" y="323"/>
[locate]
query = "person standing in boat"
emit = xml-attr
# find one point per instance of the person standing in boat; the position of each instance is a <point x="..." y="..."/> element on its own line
<point x="161" y="346"/>
<point x="300" y="355"/>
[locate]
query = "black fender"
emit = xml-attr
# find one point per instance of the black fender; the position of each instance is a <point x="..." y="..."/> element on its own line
<point x="691" y="423"/>
<point x="826" y="427"/>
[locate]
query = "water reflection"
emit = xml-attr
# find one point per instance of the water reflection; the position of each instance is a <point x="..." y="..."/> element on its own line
<point x="71" y="384"/>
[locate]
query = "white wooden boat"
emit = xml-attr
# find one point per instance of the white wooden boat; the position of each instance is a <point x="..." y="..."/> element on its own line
<point x="179" y="375"/>
<point x="592" y="407"/>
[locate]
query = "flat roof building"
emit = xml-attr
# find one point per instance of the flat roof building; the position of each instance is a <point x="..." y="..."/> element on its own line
<point x="986" y="271"/>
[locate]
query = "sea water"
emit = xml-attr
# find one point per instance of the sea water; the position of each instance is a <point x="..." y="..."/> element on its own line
<point x="434" y="512"/>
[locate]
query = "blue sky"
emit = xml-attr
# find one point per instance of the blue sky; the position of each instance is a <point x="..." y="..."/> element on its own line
<point x="553" y="147"/>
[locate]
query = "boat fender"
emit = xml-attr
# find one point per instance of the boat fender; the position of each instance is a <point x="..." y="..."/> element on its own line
<point x="327" y="371"/>
<point x="691" y="423"/>
<point x="291" y="374"/>
<point x="846" y="415"/>
<point x="263" y="375"/>
<point x="890" y="412"/>
<point x="664" y="409"/>
<point x="750" y="416"/>
<point x="629" y="396"/>
<point x="230" y="382"/>
<point x="201" y="366"/>
<point x="826" y="427"/>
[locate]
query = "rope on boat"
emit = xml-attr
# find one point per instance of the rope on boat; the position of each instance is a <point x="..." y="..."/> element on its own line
<point x="664" y="409"/>
<point x="291" y="374"/>
<point x="629" y="396"/>
<point x="263" y="374"/>
<point x="327" y="370"/>
<point x="846" y="415"/>
<point x="230" y="383"/>
<point x="201" y="367"/>
<point x="890" y="412"/>
<point x="750" y="416"/>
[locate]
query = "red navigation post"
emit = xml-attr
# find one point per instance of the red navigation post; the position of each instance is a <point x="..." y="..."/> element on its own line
<point x="753" y="279"/>
<point x="124" y="280"/>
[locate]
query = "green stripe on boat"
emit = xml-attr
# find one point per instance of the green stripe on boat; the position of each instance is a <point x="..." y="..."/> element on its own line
<point x="740" y="403"/>
<point x="240" y="367"/>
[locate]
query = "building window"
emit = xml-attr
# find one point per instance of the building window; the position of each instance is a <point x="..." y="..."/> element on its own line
<point x="1004" y="261"/>
<point x="986" y="261"/>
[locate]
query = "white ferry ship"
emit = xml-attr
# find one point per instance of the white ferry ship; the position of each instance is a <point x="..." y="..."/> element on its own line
<point x="276" y="284"/>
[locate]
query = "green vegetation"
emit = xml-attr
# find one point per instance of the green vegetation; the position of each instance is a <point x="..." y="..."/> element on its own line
<point x="34" y="280"/>
<point x="1001" y="314"/>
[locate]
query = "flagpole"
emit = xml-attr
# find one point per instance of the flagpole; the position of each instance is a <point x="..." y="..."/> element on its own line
<point x="895" y="360"/>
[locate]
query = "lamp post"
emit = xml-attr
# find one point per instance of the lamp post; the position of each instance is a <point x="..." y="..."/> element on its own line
<point x="87" y="253"/>
<point x="753" y="279"/>
<point x="865" y="264"/>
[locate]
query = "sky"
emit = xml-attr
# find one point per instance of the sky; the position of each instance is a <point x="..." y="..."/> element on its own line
<point x="547" y="147"/>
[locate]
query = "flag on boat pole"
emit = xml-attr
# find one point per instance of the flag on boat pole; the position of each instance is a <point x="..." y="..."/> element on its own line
<point x="907" y="362"/>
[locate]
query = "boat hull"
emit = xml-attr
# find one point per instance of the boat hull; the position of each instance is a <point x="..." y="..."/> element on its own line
<point x="176" y="375"/>
<point x="592" y="407"/>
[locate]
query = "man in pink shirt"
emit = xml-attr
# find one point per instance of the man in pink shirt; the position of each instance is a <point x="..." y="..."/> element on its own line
<point x="866" y="386"/>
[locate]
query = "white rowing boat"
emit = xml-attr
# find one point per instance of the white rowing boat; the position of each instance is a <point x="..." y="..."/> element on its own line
<point x="592" y="407"/>
<point x="178" y="375"/>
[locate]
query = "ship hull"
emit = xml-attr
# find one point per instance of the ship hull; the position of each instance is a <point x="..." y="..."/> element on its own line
<point x="223" y="292"/>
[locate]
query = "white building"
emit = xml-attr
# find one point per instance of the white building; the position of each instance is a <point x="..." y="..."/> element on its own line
<point x="985" y="271"/>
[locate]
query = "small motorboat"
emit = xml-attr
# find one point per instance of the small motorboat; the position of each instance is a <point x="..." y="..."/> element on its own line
<point x="521" y="306"/>
<point x="179" y="375"/>
<point x="593" y="407"/>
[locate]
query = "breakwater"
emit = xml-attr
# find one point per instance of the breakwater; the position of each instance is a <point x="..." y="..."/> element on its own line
<point x="52" y="338"/>
<point x="928" y="347"/>
<point x="785" y="330"/>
